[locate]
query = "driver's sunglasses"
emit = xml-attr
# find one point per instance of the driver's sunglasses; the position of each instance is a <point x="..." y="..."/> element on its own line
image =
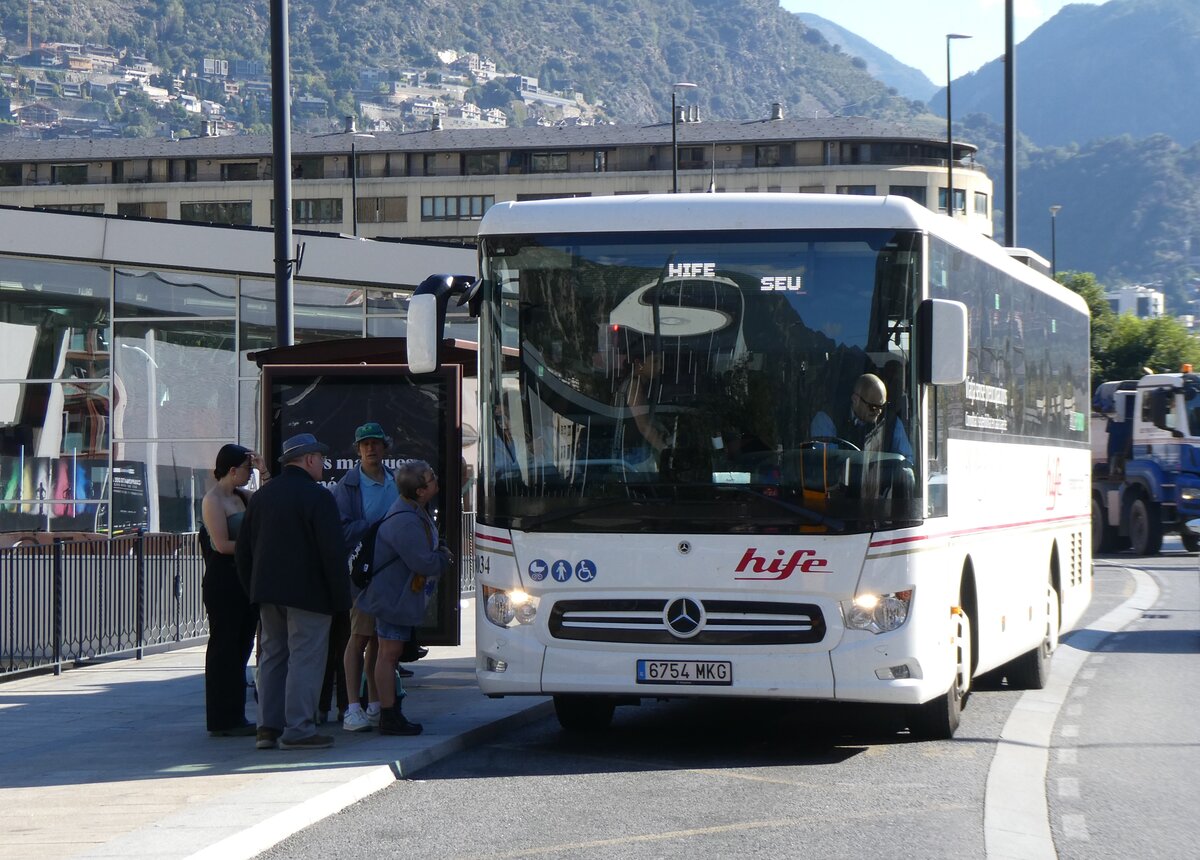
<point x="874" y="407"/>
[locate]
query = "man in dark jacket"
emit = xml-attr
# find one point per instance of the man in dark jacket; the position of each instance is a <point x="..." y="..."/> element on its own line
<point x="291" y="560"/>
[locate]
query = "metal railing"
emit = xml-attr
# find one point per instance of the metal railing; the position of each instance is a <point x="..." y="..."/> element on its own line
<point x="77" y="600"/>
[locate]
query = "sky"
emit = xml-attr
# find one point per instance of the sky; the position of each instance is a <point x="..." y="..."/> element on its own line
<point x="914" y="31"/>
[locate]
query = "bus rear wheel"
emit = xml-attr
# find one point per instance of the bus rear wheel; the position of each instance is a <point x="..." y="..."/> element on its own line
<point x="1031" y="671"/>
<point x="584" y="713"/>
<point x="938" y="719"/>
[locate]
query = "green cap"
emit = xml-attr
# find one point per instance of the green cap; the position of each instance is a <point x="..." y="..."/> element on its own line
<point x="371" y="430"/>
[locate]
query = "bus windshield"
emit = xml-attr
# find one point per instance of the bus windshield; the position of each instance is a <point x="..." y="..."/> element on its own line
<point x="712" y="382"/>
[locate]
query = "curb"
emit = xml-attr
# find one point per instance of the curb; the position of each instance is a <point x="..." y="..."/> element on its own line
<point x="266" y="834"/>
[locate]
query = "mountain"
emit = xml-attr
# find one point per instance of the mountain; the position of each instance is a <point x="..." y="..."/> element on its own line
<point x="907" y="81"/>
<point x="742" y="54"/>
<point x="1092" y="72"/>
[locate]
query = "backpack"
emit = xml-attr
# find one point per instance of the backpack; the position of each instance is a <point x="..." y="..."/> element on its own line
<point x="362" y="558"/>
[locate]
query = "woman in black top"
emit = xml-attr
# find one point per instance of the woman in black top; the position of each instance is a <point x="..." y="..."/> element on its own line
<point x="232" y="618"/>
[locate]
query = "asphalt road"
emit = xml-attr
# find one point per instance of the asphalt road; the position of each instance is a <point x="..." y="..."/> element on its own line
<point x="708" y="779"/>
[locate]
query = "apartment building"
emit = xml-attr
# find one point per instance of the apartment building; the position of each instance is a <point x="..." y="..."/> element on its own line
<point x="437" y="184"/>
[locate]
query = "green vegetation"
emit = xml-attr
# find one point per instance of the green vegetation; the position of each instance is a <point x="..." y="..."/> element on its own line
<point x="1124" y="346"/>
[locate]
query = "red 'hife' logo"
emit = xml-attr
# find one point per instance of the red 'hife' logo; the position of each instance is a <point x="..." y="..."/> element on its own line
<point x="759" y="568"/>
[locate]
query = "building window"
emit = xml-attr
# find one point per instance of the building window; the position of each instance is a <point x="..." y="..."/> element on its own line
<point x="239" y="171"/>
<point x="981" y="203"/>
<point x="916" y="193"/>
<point x="90" y="208"/>
<point x="150" y="209"/>
<point x="68" y="174"/>
<point x="693" y="158"/>
<point x="465" y="207"/>
<point x="812" y="189"/>
<point x="553" y="195"/>
<point x="322" y="210"/>
<point x="481" y="164"/>
<point x="10" y="174"/>
<point x="548" y="162"/>
<point x="960" y="200"/>
<point x="378" y="210"/>
<point x="862" y="190"/>
<point x="236" y="212"/>
<point x="600" y="161"/>
<point x="308" y="168"/>
<point x="767" y="156"/>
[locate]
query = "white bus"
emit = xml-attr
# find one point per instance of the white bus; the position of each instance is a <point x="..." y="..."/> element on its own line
<point x="774" y="446"/>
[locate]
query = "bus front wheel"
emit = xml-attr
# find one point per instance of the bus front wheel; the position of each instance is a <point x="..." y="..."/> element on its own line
<point x="938" y="719"/>
<point x="584" y="713"/>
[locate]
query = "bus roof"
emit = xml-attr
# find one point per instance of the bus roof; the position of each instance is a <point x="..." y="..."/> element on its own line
<point x="692" y="213"/>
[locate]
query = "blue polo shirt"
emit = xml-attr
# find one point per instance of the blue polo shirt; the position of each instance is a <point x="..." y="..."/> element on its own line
<point x="377" y="496"/>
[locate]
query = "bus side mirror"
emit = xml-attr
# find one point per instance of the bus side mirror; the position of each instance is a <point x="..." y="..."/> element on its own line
<point x="427" y="317"/>
<point x="423" y="333"/>
<point x="942" y="328"/>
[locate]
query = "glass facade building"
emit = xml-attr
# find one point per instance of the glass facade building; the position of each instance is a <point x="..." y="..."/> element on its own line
<point x="120" y="381"/>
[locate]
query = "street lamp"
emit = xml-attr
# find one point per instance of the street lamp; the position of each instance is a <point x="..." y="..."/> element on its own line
<point x="949" y="133"/>
<point x="351" y="130"/>
<point x="675" y="134"/>
<point x="1054" y="210"/>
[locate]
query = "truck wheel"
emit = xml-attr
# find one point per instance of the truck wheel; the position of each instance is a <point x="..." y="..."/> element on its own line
<point x="1104" y="536"/>
<point x="584" y="713"/>
<point x="1145" y="527"/>
<point x="1031" y="671"/>
<point x="938" y="719"/>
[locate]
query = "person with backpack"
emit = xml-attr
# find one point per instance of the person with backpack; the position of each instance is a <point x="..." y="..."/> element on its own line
<point x="363" y="496"/>
<point x="408" y="559"/>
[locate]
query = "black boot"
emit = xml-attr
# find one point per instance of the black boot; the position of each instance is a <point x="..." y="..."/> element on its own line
<point x="392" y="722"/>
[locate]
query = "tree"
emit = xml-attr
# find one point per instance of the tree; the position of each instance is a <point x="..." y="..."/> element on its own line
<point x="1103" y="318"/>
<point x="1161" y="344"/>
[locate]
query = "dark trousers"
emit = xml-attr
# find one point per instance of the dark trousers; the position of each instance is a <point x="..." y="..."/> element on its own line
<point x="232" y="623"/>
<point x="335" y="666"/>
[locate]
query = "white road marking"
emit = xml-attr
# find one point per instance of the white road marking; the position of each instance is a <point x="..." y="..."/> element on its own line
<point x="1075" y="827"/>
<point x="1068" y="787"/>
<point x="1016" y="817"/>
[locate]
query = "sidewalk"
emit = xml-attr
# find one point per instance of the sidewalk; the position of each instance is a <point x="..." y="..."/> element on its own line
<point x="113" y="760"/>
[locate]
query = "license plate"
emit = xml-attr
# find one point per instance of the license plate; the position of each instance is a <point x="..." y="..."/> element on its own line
<point x="701" y="672"/>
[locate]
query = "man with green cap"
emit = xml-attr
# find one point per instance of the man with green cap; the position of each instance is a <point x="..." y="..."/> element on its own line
<point x="363" y="497"/>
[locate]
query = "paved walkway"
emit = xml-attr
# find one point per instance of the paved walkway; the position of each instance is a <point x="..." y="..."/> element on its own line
<point x="113" y="760"/>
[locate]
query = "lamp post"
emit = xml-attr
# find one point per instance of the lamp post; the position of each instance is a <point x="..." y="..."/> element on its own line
<point x="949" y="133"/>
<point x="1054" y="210"/>
<point x="675" y="134"/>
<point x="351" y="130"/>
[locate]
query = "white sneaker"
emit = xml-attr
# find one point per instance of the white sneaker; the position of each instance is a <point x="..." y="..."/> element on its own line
<point x="357" y="721"/>
<point x="373" y="717"/>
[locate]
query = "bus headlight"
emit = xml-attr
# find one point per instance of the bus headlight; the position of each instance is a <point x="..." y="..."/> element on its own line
<point x="877" y="613"/>
<point x="506" y="608"/>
